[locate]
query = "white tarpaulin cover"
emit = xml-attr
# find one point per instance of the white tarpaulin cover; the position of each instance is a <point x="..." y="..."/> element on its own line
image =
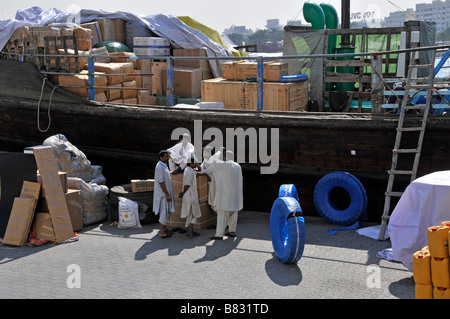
<point x="425" y="203"/>
<point x="177" y="32"/>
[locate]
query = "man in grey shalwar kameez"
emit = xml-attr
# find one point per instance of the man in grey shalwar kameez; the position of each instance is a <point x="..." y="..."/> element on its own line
<point x="163" y="198"/>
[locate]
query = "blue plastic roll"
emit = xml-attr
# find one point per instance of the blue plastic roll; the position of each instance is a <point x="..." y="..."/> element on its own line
<point x="287" y="228"/>
<point x="326" y="209"/>
<point x="293" y="78"/>
<point x="288" y="190"/>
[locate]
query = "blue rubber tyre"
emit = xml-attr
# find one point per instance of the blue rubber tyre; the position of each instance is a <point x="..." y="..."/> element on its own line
<point x="287" y="228"/>
<point x="356" y="191"/>
<point x="288" y="190"/>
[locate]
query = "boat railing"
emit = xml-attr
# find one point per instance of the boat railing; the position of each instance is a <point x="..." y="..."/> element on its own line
<point x="379" y="84"/>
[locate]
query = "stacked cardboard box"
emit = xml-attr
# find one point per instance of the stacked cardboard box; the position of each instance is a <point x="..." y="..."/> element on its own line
<point x="189" y="73"/>
<point x="244" y="95"/>
<point x="237" y="88"/>
<point x="208" y="217"/>
<point x="431" y="270"/>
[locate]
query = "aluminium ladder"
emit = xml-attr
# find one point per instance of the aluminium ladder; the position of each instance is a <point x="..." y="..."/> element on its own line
<point x="410" y="89"/>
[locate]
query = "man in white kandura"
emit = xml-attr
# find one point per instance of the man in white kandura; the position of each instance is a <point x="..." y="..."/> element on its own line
<point x="180" y="153"/>
<point x="229" y="199"/>
<point x="208" y="168"/>
<point x="190" y="207"/>
<point x="163" y="199"/>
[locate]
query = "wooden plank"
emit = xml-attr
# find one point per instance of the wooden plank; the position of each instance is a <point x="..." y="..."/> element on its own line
<point x="56" y="200"/>
<point x="342" y="77"/>
<point x="343" y="63"/>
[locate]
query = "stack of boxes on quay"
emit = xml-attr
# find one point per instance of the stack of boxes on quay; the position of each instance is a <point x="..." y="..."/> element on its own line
<point x="143" y="81"/>
<point x="431" y="265"/>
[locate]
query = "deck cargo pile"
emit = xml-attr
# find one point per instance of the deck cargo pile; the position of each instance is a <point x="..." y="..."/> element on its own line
<point x="237" y="88"/>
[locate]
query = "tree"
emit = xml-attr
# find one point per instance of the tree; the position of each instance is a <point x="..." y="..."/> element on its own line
<point x="444" y="35"/>
<point x="237" y="38"/>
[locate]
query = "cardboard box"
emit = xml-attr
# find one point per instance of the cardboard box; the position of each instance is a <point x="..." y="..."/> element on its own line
<point x="150" y="185"/>
<point x="202" y="186"/>
<point x="22" y="213"/>
<point x="44" y="227"/>
<point x="56" y="201"/>
<point x="187" y="82"/>
<point x="144" y="98"/>
<point x="159" y="84"/>
<point x="196" y="64"/>
<point x="241" y="70"/>
<point x="208" y="217"/>
<point x="138" y="185"/>
<point x="129" y="94"/>
<point x="107" y="27"/>
<point x="244" y="95"/>
<point x="152" y="46"/>
<point x="74" y="201"/>
<point x="130" y="101"/>
<point x="96" y="32"/>
<point x="40" y="32"/>
<point x="62" y="177"/>
<point x="115" y="69"/>
<point x="78" y="83"/>
<point x="122" y="57"/>
<point x="114" y="92"/>
<point x="120" y="29"/>
<point x="84" y="38"/>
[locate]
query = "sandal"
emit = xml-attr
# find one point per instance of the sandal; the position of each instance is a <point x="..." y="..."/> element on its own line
<point x="231" y="234"/>
<point x="216" y="238"/>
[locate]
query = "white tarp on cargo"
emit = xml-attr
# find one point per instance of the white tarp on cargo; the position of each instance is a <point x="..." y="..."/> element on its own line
<point x="180" y="35"/>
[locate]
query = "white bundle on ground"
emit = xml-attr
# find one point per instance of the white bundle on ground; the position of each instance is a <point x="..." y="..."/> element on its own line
<point x="94" y="199"/>
<point x="128" y="213"/>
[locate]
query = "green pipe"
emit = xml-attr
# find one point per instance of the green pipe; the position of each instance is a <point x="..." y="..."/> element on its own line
<point x="331" y="22"/>
<point x="314" y="14"/>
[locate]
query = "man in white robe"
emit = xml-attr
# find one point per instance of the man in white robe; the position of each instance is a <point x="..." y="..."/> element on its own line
<point x="190" y="207"/>
<point x="208" y="168"/>
<point x="229" y="199"/>
<point x="180" y="153"/>
<point x="163" y="198"/>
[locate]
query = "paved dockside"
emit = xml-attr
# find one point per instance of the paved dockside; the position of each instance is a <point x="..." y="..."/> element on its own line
<point x="107" y="262"/>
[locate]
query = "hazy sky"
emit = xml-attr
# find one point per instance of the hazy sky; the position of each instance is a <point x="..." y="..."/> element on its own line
<point x="215" y="14"/>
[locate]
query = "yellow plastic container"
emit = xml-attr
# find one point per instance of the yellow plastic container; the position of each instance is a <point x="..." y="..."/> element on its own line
<point x="422" y="267"/>
<point x="440" y="273"/>
<point x="424" y="291"/>
<point x="441" y="293"/>
<point x="438" y="240"/>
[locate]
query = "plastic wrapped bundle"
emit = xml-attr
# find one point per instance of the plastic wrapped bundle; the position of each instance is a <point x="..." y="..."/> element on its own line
<point x="70" y="159"/>
<point x="94" y="199"/>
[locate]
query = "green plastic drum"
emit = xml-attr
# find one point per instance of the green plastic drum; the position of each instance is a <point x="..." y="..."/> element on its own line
<point x="113" y="46"/>
<point x="345" y="86"/>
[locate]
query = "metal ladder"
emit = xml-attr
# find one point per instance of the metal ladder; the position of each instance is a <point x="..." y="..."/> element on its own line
<point x="410" y="88"/>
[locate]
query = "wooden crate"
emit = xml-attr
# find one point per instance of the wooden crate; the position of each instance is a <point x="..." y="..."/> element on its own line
<point x="240" y="70"/>
<point x="244" y="95"/>
<point x="208" y="217"/>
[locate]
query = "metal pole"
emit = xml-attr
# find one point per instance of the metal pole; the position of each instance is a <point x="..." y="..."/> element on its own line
<point x="91" y="71"/>
<point x="260" y="85"/>
<point x="169" y="89"/>
<point x="345" y="23"/>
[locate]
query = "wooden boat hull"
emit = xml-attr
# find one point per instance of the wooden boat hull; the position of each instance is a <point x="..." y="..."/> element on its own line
<point x="125" y="141"/>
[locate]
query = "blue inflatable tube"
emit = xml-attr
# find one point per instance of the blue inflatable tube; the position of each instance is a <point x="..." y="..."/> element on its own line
<point x="288" y="190"/>
<point x="287" y="228"/>
<point x="356" y="191"/>
<point x="294" y="78"/>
